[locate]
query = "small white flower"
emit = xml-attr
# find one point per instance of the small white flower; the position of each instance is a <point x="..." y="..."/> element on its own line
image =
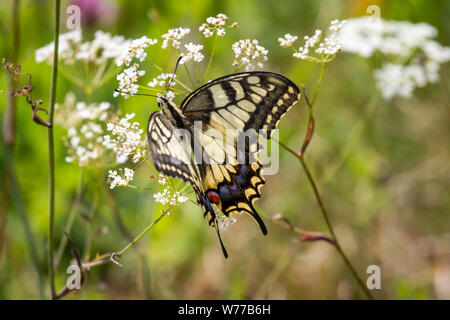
<point x="162" y="180"/>
<point x="127" y="81"/>
<point x="192" y="53"/>
<point x="223" y="221"/>
<point x="247" y="52"/>
<point x="174" y="36"/>
<point x="85" y="130"/>
<point x="365" y="36"/>
<point x="136" y="50"/>
<point x="398" y="80"/>
<point x="287" y="41"/>
<point x="161" y="80"/>
<point x="410" y="43"/>
<point x="120" y="179"/>
<point x="170" y="196"/>
<point x="216" y="24"/>
<point x="125" y="139"/>
<point x="314" y="48"/>
<point x="68" y="42"/>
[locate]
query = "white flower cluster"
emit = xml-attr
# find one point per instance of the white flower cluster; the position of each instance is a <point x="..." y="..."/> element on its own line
<point x="364" y="36"/>
<point x="125" y="139"/>
<point x="192" y="53"/>
<point x="418" y="57"/>
<point x="85" y="128"/>
<point x="399" y="80"/>
<point x="314" y="49"/>
<point x="248" y="52"/>
<point x="161" y="80"/>
<point x="136" y="50"/>
<point x="121" y="178"/>
<point x="129" y="77"/>
<point x="128" y="81"/>
<point x="66" y="48"/>
<point x="287" y="41"/>
<point x="169" y="195"/>
<point x="174" y="36"/>
<point x="104" y="46"/>
<point x="216" y="24"/>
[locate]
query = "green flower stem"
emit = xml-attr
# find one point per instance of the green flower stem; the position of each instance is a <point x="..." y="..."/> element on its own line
<point x="189" y="75"/>
<point x="51" y="151"/>
<point x="205" y="76"/>
<point x="150" y="227"/>
<point x="319" y="82"/>
<point x="159" y="90"/>
<point x="176" y="80"/>
<point x="89" y="217"/>
<point x="99" y="73"/>
<point x="312" y="182"/>
<point x="198" y="77"/>
<point x="327" y="220"/>
<point x="139" y="188"/>
<point x="71" y="219"/>
<point x="110" y="257"/>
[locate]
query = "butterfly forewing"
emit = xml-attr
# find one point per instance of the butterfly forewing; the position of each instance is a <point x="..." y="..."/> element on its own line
<point x="252" y="100"/>
<point x="171" y="155"/>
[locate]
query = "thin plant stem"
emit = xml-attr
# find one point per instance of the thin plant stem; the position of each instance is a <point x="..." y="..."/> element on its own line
<point x="319" y="82"/>
<point x="89" y="217"/>
<point x="109" y="257"/>
<point x="198" y="76"/>
<point x="145" y="274"/>
<point x="176" y="80"/>
<point x="189" y="75"/>
<point x="327" y="220"/>
<point x="301" y="157"/>
<point x="10" y="121"/>
<point x="150" y="227"/>
<point x="10" y="114"/>
<point x="205" y="76"/>
<point x="71" y="219"/>
<point x="51" y="151"/>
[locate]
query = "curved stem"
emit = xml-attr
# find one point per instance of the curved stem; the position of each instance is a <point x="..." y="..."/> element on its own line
<point x="132" y="243"/>
<point x="319" y="82"/>
<point x="327" y="220"/>
<point x="51" y="151"/>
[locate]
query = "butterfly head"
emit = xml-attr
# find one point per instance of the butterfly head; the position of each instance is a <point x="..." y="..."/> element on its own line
<point x="172" y="111"/>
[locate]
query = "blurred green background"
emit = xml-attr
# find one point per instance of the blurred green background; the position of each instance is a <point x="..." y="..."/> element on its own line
<point x="382" y="168"/>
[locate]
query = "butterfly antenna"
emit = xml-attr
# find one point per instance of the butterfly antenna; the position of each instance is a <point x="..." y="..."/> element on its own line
<point x="225" y="254"/>
<point x="173" y="75"/>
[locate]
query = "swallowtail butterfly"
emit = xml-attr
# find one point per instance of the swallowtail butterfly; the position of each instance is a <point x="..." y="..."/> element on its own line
<point x="242" y="101"/>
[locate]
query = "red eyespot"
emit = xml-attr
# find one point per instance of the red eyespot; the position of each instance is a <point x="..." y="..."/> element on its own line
<point x="213" y="197"/>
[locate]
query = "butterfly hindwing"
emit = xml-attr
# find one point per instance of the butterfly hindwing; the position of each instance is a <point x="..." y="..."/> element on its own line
<point x="233" y="188"/>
